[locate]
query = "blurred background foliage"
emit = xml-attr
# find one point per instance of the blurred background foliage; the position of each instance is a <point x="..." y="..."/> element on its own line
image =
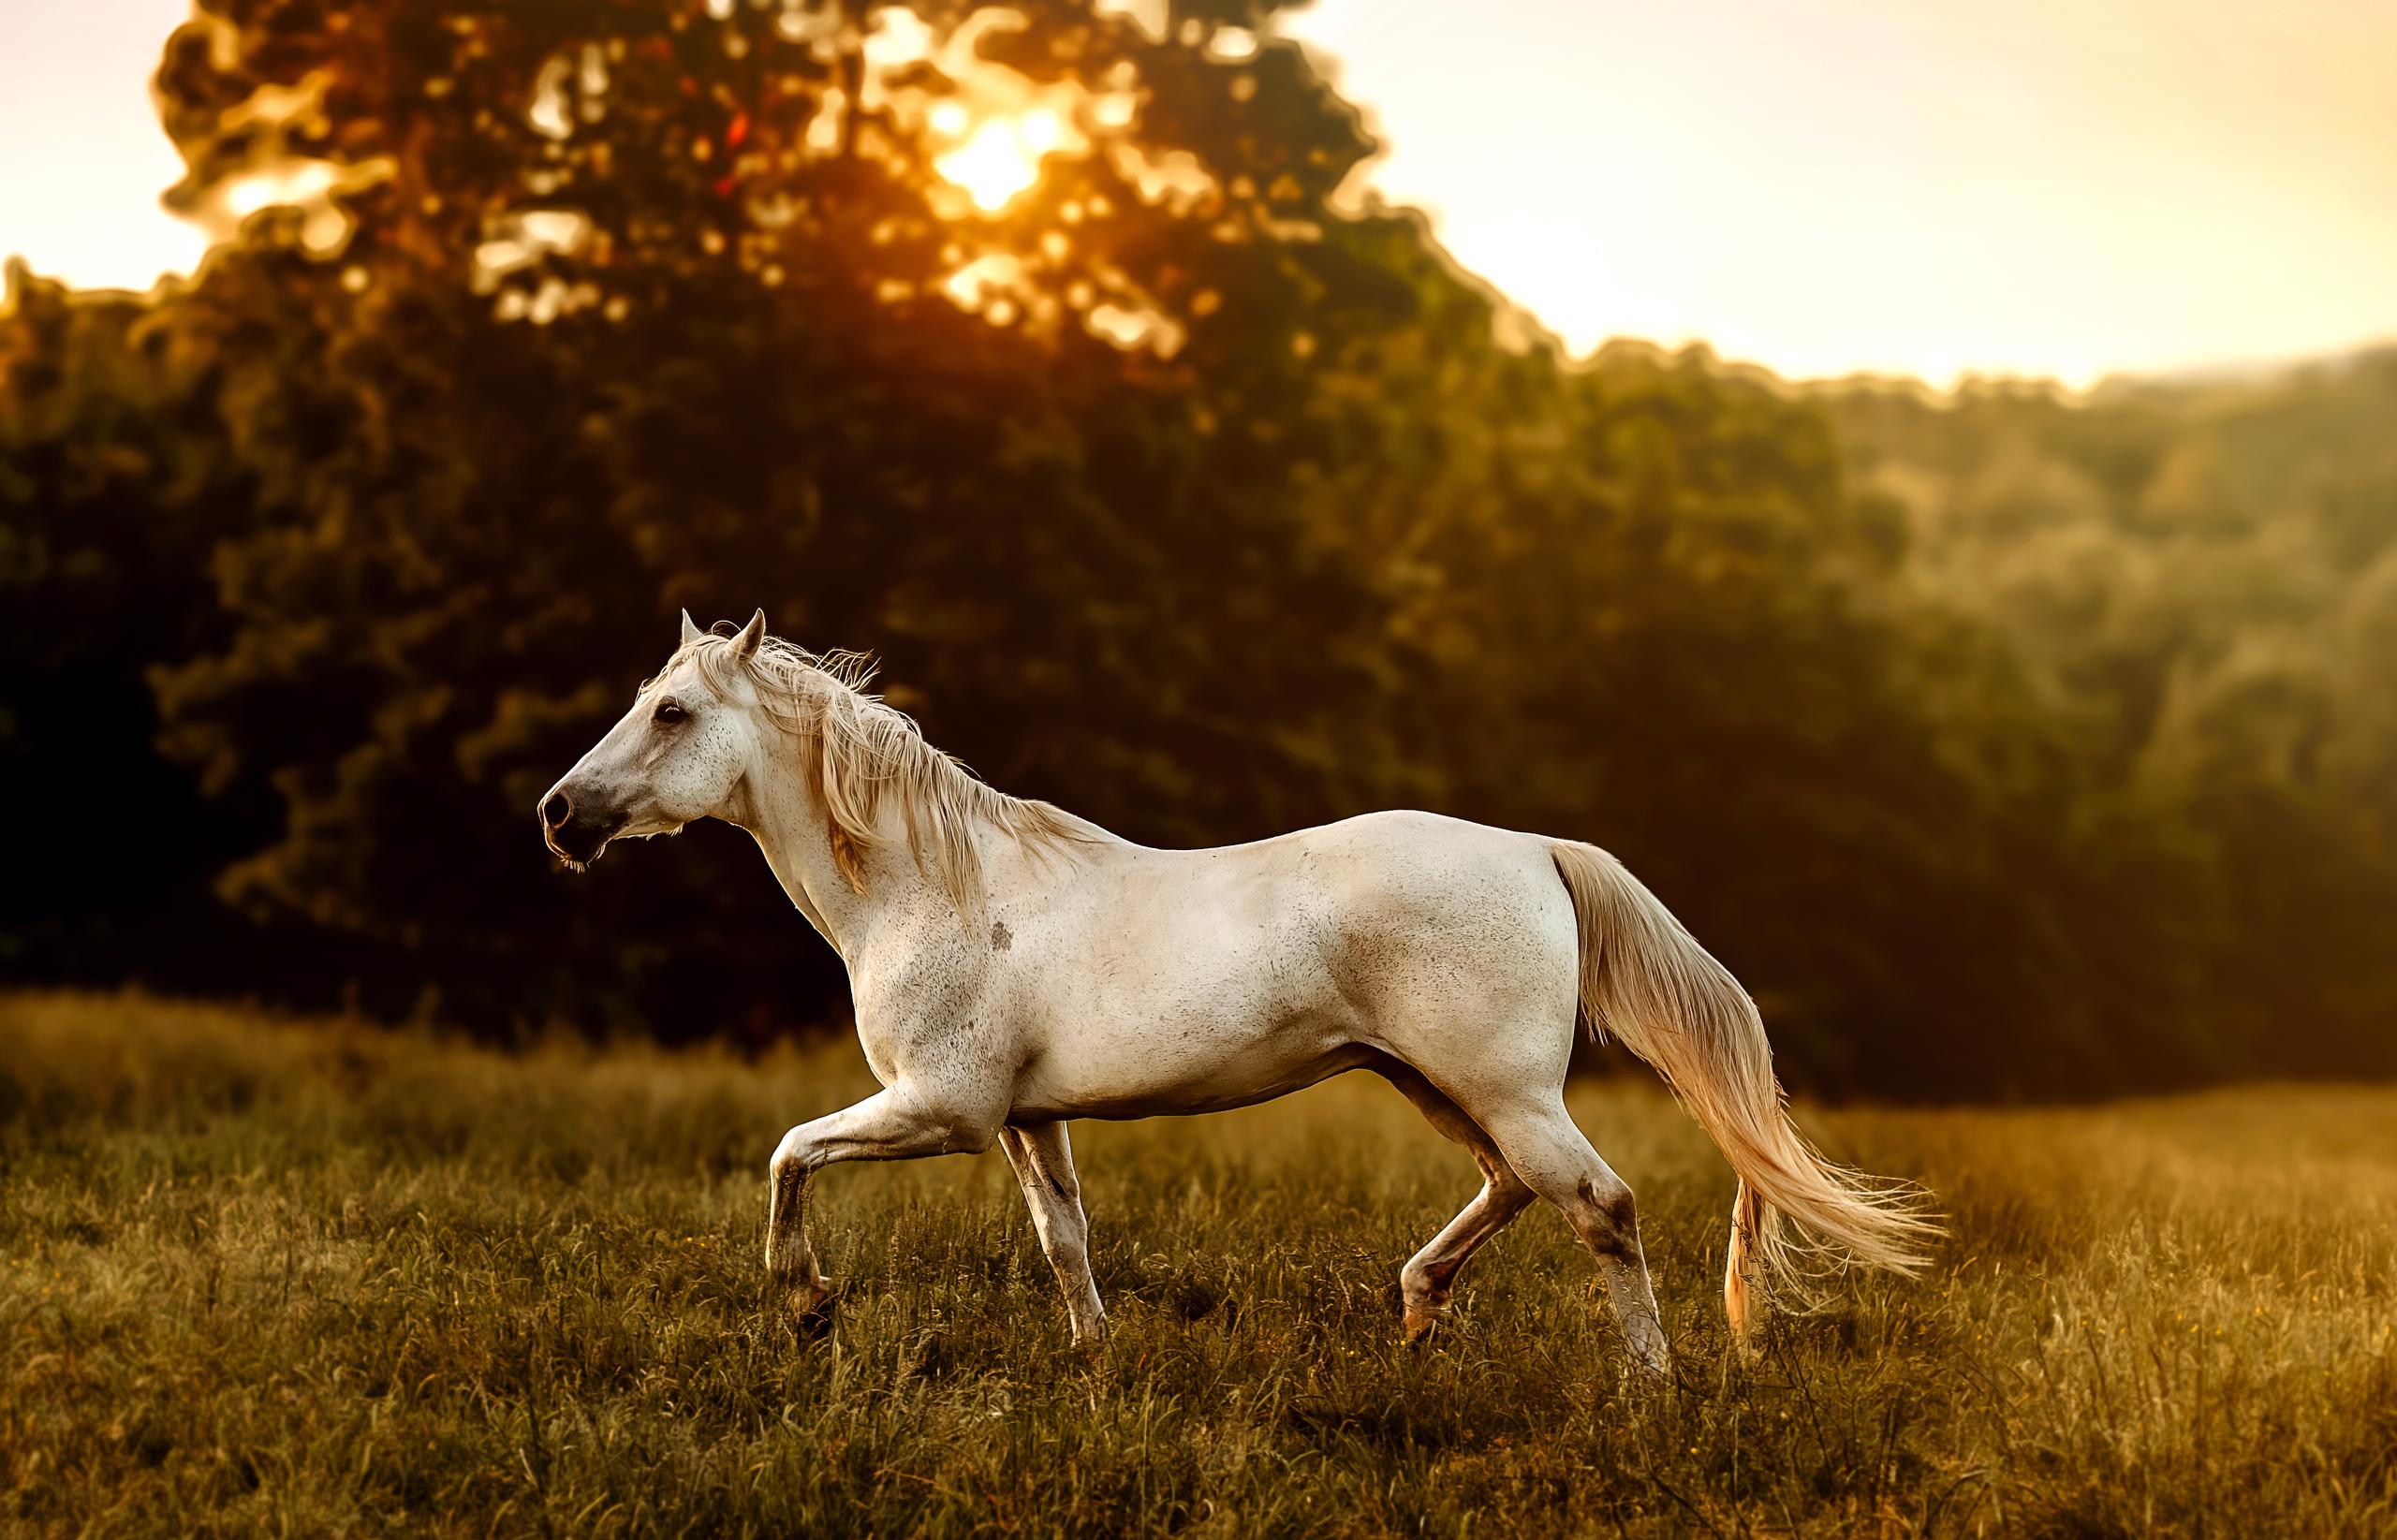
<point x="2004" y="745"/>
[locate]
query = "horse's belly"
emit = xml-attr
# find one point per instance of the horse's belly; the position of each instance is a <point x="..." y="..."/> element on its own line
<point x="1167" y="1072"/>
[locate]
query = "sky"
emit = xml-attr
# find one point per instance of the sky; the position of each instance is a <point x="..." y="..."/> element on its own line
<point x="1931" y="187"/>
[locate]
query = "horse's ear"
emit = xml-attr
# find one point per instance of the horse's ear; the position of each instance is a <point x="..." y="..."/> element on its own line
<point x="744" y="643"/>
<point x="690" y="633"/>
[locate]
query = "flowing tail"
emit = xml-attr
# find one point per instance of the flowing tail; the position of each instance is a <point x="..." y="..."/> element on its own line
<point x="1648" y="981"/>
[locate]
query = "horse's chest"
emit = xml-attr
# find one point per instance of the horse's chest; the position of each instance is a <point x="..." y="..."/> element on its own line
<point x="930" y="1015"/>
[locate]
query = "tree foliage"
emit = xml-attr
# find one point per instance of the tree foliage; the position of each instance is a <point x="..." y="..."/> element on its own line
<point x="2199" y="579"/>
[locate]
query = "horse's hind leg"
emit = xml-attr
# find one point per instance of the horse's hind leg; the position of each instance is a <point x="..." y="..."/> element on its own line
<point x="1546" y="1150"/>
<point x="1044" y="1164"/>
<point x="1424" y="1283"/>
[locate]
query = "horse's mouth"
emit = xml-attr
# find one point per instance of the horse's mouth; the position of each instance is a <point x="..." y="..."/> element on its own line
<point x="579" y="844"/>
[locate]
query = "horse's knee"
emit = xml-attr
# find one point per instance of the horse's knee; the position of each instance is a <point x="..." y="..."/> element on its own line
<point x="790" y="1164"/>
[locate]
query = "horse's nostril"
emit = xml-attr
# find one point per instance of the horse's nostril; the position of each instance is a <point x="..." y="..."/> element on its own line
<point x="557" y="810"/>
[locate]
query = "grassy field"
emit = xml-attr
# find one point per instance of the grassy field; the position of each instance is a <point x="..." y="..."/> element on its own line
<point x="315" y="1279"/>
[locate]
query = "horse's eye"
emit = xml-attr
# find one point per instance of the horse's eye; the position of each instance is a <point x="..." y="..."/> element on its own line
<point x="669" y="713"/>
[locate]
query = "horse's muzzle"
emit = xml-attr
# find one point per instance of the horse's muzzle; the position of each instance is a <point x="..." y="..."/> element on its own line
<point x="575" y="831"/>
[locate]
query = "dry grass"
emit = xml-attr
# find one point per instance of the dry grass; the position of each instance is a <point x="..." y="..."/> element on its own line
<point x="322" y="1280"/>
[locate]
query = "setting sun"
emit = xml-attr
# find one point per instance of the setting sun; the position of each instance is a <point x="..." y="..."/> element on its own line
<point x="1000" y="159"/>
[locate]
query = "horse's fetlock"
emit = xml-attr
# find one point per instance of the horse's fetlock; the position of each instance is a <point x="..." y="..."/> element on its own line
<point x="789" y="1263"/>
<point x="1418" y="1286"/>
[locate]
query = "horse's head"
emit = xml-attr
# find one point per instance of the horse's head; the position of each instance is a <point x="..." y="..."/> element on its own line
<point x="676" y="758"/>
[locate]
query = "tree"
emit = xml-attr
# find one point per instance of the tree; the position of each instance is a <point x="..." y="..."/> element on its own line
<point x="112" y="490"/>
<point x="752" y="375"/>
<point x="2192" y="572"/>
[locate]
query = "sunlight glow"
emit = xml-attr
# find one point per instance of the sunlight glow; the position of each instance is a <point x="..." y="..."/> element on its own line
<point x="303" y="183"/>
<point x="2047" y="188"/>
<point x="1000" y="159"/>
<point x="982" y="280"/>
<point x="310" y="186"/>
<point x="2052" y="188"/>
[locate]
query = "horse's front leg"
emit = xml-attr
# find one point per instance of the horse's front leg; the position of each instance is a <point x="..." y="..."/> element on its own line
<point x="1044" y="1164"/>
<point x="894" y="1124"/>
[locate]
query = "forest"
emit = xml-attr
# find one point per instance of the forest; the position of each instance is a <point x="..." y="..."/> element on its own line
<point x="2007" y="744"/>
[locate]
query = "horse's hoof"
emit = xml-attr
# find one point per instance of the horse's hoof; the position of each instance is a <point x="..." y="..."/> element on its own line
<point x="1423" y="1323"/>
<point x="811" y="1308"/>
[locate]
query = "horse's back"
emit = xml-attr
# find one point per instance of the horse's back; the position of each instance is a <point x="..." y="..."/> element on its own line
<point x="1421" y="926"/>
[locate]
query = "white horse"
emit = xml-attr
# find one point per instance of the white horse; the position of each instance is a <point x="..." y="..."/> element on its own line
<point x="1015" y="967"/>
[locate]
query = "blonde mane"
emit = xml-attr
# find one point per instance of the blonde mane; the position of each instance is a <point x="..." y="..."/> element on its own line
<point x="858" y="752"/>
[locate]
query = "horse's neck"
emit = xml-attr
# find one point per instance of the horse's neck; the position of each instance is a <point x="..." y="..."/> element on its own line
<point x="782" y="813"/>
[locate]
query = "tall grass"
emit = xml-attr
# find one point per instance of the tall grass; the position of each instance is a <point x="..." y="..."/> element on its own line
<point x="316" y="1279"/>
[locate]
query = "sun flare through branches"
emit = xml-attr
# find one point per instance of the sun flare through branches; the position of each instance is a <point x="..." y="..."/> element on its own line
<point x="998" y="159"/>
